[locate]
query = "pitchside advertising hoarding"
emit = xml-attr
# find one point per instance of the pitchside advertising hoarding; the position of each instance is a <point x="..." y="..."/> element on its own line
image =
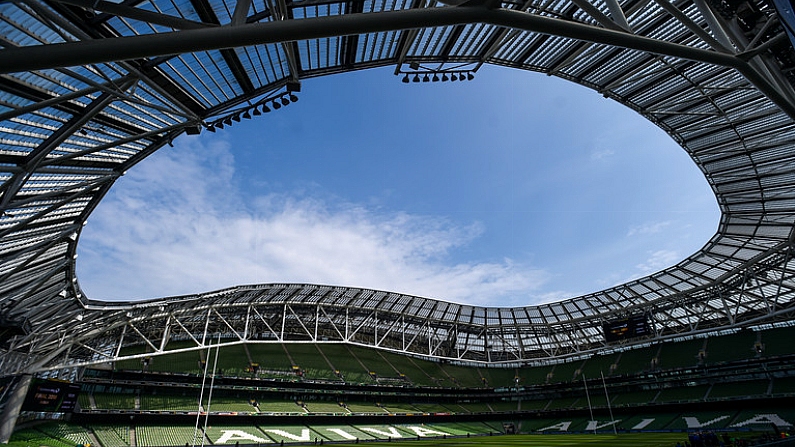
<point x="51" y="396"/>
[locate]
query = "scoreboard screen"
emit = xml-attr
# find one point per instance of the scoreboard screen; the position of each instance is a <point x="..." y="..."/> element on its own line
<point x="632" y="327"/>
<point x="51" y="396"/>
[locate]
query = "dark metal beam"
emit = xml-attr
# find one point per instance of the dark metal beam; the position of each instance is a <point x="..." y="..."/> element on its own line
<point x="350" y="43"/>
<point x="452" y="40"/>
<point x="206" y="13"/>
<point x="96" y="28"/>
<point x="143" y="15"/>
<point x="39" y="95"/>
<point x="124" y="48"/>
<point x="13" y="185"/>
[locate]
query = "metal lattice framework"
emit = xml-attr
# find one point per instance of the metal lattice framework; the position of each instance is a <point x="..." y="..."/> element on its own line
<point x="88" y="88"/>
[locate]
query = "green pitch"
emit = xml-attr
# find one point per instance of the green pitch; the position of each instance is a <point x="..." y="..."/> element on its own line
<point x="590" y="440"/>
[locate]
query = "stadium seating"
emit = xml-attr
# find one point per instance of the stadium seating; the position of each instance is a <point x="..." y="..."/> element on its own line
<point x="500" y="377"/>
<point x="463" y="376"/>
<point x="430" y="408"/>
<point x="728" y="348"/>
<point x="564" y="403"/>
<point x="683" y="354"/>
<point x="636" y="361"/>
<point x="35" y="436"/>
<point x="181" y="362"/>
<point x="536" y="375"/>
<point x="169" y="402"/>
<point x="749" y="388"/>
<point x="114" y="401"/>
<point x="268" y="379"/>
<point x="404" y="408"/>
<point x="415" y="371"/>
<point x="711" y="420"/>
<point x="272" y="360"/>
<point x="84" y="401"/>
<point x="215" y="432"/>
<point x="533" y="404"/>
<point x="778" y="341"/>
<point x="783" y="386"/>
<point x="475" y="407"/>
<point x="364" y="408"/>
<point x="312" y="362"/>
<point x="505" y="406"/>
<point x="228" y="404"/>
<point x="634" y="398"/>
<point x="166" y="435"/>
<point x="279" y="406"/>
<point x="422" y="372"/>
<point x="683" y="394"/>
<point x="325" y="407"/>
<point x="66" y="433"/>
<point x="232" y="361"/>
<point x="372" y="362"/>
<point x="567" y="372"/>
<point x="112" y="435"/>
<point x="598" y="365"/>
<point x="655" y="421"/>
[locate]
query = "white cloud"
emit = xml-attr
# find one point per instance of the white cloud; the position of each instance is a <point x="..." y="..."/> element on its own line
<point x="180" y="226"/>
<point x="602" y="153"/>
<point x="648" y="228"/>
<point x="657" y="261"/>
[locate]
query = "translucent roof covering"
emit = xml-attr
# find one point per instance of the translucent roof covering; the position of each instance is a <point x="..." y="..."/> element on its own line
<point x="90" y="88"/>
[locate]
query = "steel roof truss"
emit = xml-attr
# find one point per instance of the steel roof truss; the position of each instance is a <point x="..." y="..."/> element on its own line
<point x="617" y="15"/>
<point x="282" y="12"/>
<point x="332" y="322"/>
<point x="35" y="252"/>
<point x="12" y="186"/>
<point x="140" y="14"/>
<point x="143" y="337"/>
<point x="599" y="16"/>
<point x="418" y="331"/>
<point x="231" y="328"/>
<point x="716" y="44"/>
<point x="361" y="323"/>
<point x="394" y="323"/>
<point x="28" y="221"/>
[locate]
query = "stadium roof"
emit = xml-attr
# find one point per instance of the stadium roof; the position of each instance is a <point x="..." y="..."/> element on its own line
<point x="89" y="88"/>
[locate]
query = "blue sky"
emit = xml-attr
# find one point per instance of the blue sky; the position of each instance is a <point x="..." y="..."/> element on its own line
<point x="514" y="188"/>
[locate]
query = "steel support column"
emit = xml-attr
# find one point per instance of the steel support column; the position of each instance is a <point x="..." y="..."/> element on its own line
<point x="12" y="408"/>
